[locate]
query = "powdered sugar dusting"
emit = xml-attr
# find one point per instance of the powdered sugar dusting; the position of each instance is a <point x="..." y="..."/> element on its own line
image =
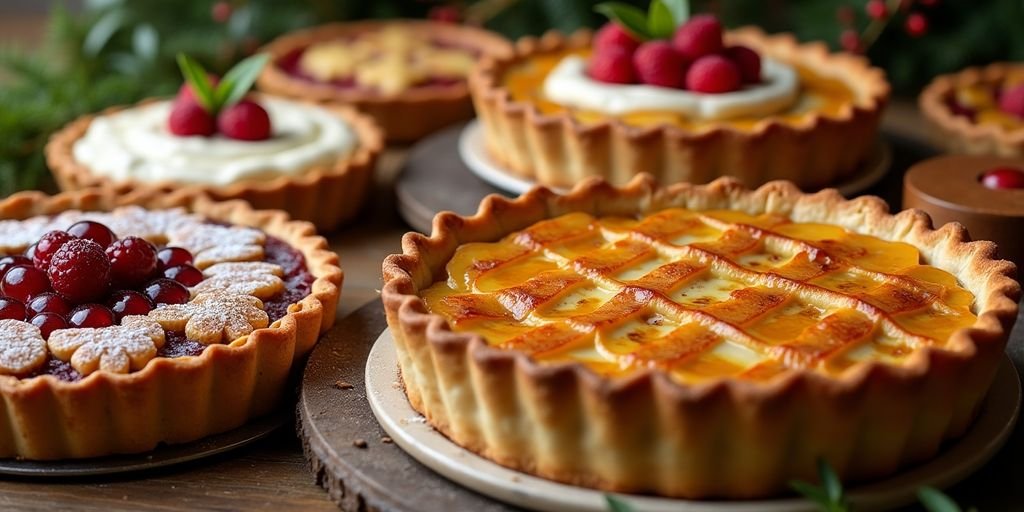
<point x="214" y="317"/>
<point x="210" y="244"/>
<point x="117" y="349"/>
<point x="256" y="278"/>
<point x="22" y="348"/>
<point x="17" y="235"/>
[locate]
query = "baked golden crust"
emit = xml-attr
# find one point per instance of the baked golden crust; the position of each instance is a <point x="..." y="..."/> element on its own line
<point x="558" y="150"/>
<point x="170" y="400"/>
<point x="434" y="107"/>
<point x="723" y="438"/>
<point x="326" y="195"/>
<point x="958" y="133"/>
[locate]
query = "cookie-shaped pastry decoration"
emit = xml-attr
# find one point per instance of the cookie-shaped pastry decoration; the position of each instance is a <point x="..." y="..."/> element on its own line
<point x="214" y="317"/>
<point x="118" y="348"/>
<point x="22" y="348"/>
<point x="210" y="244"/>
<point x="133" y="221"/>
<point x="256" y="278"/>
<point x="17" y="235"/>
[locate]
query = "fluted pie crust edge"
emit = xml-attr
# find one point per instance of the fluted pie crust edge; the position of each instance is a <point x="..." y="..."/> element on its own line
<point x="957" y="133"/>
<point x="328" y="195"/>
<point x="170" y="400"/>
<point x="559" y="151"/>
<point x="647" y="433"/>
<point x="404" y="117"/>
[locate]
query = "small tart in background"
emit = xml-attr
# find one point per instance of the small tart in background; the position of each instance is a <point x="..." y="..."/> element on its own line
<point x="410" y="76"/>
<point x="972" y="111"/>
<point x="317" y="164"/>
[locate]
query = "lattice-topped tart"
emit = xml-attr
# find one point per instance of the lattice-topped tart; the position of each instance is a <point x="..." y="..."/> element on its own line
<point x="697" y="341"/>
<point x="127" y="322"/>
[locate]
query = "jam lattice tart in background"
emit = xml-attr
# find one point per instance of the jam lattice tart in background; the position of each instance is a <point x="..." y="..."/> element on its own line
<point x="720" y="338"/>
<point x="162" y="321"/>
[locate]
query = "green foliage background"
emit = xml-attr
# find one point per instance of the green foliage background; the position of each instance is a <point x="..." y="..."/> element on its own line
<point x="119" y="51"/>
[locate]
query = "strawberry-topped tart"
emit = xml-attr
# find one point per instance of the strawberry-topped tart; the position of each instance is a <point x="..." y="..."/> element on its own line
<point x="679" y="97"/>
<point x="123" y="326"/>
<point x="216" y="138"/>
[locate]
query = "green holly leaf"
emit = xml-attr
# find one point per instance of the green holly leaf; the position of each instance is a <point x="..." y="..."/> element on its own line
<point x="660" y="22"/>
<point x="680" y="10"/>
<point x="617" y="505"/>
<point x="632" y="19"/>
<point x="935" y="500"/>
<point x="239" y="79"/>
<point x="830" y="482"/>
<point x="199" y="79"/>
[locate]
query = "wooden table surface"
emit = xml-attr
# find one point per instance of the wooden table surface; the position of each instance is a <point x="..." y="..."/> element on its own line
<point x="270" y="474"/>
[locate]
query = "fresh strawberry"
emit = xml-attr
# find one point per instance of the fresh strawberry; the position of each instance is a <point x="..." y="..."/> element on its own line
<point x="700" y="36"/>
<point x="656" y="63"/>
<point x="188" y="117"/>
<point x="748" y="62"/>
<point x="612" y="65"/>
<point x="713" y="74"/>
<point x="245" y="120"/>
<point x="612" y="35"/>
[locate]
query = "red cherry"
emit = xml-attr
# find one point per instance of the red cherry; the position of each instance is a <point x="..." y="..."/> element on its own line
<point x="877" y="9"/>
<point x="186" y="93"/>
<point x="91" y="316"/>
<point x="48" y="322"/>
<point x="613" y="65"/>
<point x="184" y="274"/>
<point x="22" y="282"/>
<point x="172" y="257"/>
<point x="11" y="309"/>
<point x="747" y="61"/>
<point x="129" y="302"/>
<point x="245" y="120"/>
<point x="80" y="271"/>
<point x="9" y="261"/>
<point x="445" y="14"/>
<point x="165" y="291"/>
<point x="30" y="252"/>
<point x="49" y="303"/>
<point x="713" y="74"/>
<point x="221" y="12"/>
<point x="47" y="246"/>
<point x="188" y="118"/>
<point x="656" y="63"/>
<point x="916" y="25"/>
<point x="612" y="35"/>
<point x="700" y="36"/>
<point x="90" y="230"/>
<point x="850" y="41"/>
<point x="132" y="261"/>
<point x="1002" y="178"/>
<point x="1011" y="101"/>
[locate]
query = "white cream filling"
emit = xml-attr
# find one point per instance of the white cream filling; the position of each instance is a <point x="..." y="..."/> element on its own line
<point x="568" y="84"/>
<point x="136" y="144"/>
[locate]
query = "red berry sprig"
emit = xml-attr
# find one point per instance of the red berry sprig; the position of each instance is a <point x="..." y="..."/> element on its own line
<point x="205" y="103"/>
<point x="880" y="13"/>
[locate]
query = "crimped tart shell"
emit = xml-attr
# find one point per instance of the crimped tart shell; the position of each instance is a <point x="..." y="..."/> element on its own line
<point x="404" y="117"/>
<point x="959" y="134"/>
<point x="170" y="400"/>
<point x="558" y="150"/>
<point x="726" y="438"/>
<point x="326" y="195"/>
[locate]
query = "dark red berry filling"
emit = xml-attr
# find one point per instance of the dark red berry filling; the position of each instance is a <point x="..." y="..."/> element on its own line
<point x="11" y="309"/>
<point x="172" y="257"/>
<point x="49" y="303"/>
<point x="91" y="230"/>
<point x="184" y="274"/>
<point x="48" y="322"/>
<point x="165" y="291"/>
<point x="93" y="316"/>
<point x="129" y="302"/>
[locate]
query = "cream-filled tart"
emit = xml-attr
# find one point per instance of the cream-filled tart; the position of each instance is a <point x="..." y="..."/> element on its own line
<point x="697" y="341"/>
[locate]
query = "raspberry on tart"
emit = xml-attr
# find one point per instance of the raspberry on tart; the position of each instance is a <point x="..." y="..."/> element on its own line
<point x="47" y="246"/>
<point x="713" y="74"/>
<point x="612" y="35"/>
<point x="245" y="120"/>
<point x="80" y="271"/>
<point x="698" y="37"/>
<point x="657" y="63"/>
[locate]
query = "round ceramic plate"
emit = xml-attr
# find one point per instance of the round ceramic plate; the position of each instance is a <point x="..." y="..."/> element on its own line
<point x="474" y="154"/>
<point x="164" y="455"/>
<point x="414" y="435"/>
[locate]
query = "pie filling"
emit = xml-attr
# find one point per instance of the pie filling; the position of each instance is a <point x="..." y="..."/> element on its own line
<point x="981" y="103"/>
<point x="249" y="279"/>
<point x="817" y="94"/>
<point x="700" y="295"/>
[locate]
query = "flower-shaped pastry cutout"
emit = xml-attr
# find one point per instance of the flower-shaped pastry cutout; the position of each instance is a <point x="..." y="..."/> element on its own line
<point x="117" y="349"/>
<point x="133" y="221"/>
<point x="214" y="317"/>
<point x="22" y="348"/>
<point x="210" y="244"/>
<point x="257" y="278"/>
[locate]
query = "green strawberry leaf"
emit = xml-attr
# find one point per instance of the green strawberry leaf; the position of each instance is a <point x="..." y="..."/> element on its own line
<point x="830" y="482"/>
<point x="197" y="77"/>
<point x="632" y="19"/>
<point x="239" y="79"/>
<point x="660" y="21"/>
<point x="935" y="500"/>
<point x="680" y="10"/>
<point x="617" y="505"/>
